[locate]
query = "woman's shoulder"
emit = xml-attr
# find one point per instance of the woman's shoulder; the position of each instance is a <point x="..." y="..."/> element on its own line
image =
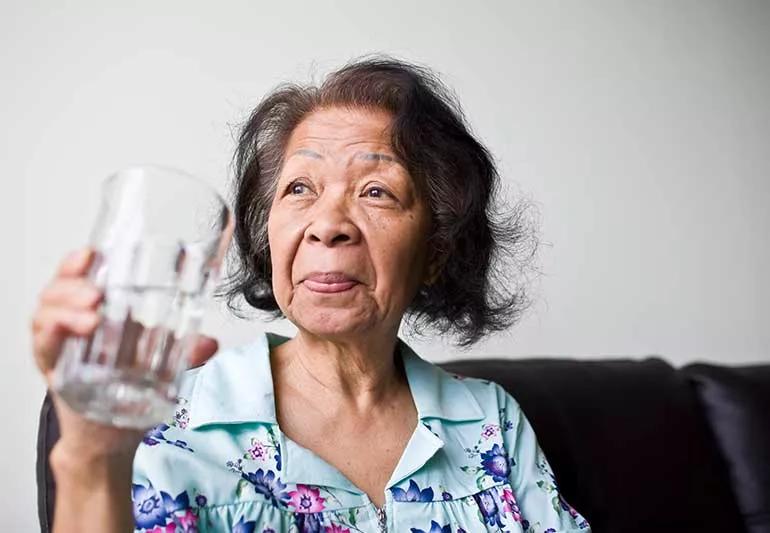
<point x="493" y="399"/>
<point x="452" y="396"/>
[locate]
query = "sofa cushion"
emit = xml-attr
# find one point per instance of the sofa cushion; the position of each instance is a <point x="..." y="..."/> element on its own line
<point x="737" y="404"/>
<point x="629" y="445"/>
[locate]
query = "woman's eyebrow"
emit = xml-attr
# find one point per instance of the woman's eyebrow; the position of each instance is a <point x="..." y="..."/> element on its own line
<point x="308" y="153"/>
<point x="366" y="156"/>
<point x="376" y="156"/>
<point x="372" y="156"/>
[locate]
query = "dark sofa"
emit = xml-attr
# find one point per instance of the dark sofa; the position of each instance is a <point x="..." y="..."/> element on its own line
<point x="637" y="446"/>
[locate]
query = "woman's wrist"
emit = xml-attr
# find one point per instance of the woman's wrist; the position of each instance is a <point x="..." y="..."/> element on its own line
<point x="74" y="464"/>
<point x="92" y="489"/>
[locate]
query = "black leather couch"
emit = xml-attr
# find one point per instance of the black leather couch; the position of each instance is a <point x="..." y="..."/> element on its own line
<point x="637" y="446"/>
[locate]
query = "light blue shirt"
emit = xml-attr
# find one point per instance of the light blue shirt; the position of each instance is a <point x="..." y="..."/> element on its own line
<point x="222" y="463"/>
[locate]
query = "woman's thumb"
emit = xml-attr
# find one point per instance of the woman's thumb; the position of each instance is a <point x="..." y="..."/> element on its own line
<point x="205" y="347"/>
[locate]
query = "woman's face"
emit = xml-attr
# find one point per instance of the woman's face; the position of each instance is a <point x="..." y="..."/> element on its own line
<point x="347" y="228"/>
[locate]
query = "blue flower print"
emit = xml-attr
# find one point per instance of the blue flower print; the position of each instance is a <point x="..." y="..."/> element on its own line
<point x="495" y="463"/>
<point x="267" y="484"/>
<point x="180" y="444"/>
<point x="181" y="502"/>
<point x="152" y="508"/>
<point x="155" y="436"/>
<point x="148" y="507"/>
<point x="308" y="522"/>
<point x="412" y="494"/>
<point x="490" y="511"/>
<point x="244" y="527"/>
<point x="434" y="528"/>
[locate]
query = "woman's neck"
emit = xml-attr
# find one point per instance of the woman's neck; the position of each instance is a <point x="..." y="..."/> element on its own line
<point x="356" y="374"/>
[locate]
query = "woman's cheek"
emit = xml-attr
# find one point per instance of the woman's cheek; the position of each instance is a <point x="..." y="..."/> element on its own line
<point x="281" y="245"/>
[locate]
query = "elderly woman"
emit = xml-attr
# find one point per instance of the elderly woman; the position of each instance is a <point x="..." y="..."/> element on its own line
<point x="358" y="204"/>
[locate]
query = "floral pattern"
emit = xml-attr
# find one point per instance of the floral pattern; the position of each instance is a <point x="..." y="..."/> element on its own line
<point x="495" y="463"/>
<point x="268" y="485"/>
<point x="489" y="431"/>
<point x="156" y="436"/>
<point x="510" y="506"/>
<point x="242" y="526"/>
<point x="306" y="499"/>
<point x="264" y="449"/>
<point x="412" y="494"/>
<point x="181" y="414"/>
<point x="489" y="507"/>
<point x="159" y="512"/>
<point x="334" y="528"/>
<point x="434" y="528"/>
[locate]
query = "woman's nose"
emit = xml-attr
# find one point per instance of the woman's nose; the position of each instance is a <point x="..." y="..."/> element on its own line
<point x="332" y="226"/>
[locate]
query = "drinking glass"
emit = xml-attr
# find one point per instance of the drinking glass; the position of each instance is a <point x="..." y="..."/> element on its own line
<point x="159" y="240"/>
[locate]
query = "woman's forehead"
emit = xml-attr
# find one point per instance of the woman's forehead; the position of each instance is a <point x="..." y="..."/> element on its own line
<point x="343" y="129"/>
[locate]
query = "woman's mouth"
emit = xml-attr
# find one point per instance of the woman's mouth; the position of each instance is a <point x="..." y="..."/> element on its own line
<point x="329" y="282"/>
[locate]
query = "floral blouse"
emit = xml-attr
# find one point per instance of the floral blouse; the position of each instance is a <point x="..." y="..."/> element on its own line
<point x="222" y="464"/>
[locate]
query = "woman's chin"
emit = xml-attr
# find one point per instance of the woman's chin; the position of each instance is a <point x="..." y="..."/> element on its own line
<point x="333" y="323"/>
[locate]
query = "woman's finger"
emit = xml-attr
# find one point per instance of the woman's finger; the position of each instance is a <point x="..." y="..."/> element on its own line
<point x="72" y="292"/>
<point x="76" y="264"/>
<point x="52" y="325"/>
<point x="205" y="347"/>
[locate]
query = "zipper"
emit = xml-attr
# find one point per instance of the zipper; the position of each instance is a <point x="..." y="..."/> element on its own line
<point x="382" y="518"/>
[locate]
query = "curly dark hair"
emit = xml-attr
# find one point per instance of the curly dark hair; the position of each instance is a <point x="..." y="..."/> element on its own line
<point x="473" y="241"/>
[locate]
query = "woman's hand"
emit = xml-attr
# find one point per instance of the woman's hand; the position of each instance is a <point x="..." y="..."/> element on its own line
<point x="91" y="461"/>
<point x="68" y="307"/>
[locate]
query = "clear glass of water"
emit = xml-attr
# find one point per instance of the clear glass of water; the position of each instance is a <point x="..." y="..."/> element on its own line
<point x="160" y="239"/>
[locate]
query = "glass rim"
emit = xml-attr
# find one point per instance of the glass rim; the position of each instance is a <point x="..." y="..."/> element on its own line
<point x="176" y="172"/>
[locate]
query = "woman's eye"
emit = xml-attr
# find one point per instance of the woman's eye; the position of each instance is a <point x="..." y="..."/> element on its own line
<point x="297" y="188"/>
<point x="375" y="192"/>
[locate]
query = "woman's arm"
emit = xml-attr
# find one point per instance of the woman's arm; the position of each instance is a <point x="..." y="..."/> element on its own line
<point x="92" y="462"/>
<point x="93" y="492"/>
<point x="535" y="495"/>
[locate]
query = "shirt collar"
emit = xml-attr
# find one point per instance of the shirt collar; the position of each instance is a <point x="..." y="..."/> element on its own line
<point x="236" y="386"/>
<point x="437" y="393"/>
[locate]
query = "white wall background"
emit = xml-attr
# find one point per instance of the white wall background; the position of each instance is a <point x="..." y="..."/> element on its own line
<point x="641" y="129"/>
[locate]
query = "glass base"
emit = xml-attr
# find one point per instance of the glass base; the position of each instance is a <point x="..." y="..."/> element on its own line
<point x="118" y="402"/>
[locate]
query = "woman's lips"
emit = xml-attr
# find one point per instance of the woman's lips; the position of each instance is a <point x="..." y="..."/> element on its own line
<point x="329" y="282"/>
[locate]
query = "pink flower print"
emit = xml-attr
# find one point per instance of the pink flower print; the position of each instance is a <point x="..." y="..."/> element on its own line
<point x="257" y="450"/>
<point x="181" y="418"/>
<point x="510" y="506"/>
<point x="489" y="431"/>
<point x="334" y="528"/>
<point x="188" y="522"/>
<point x="306" y="499"/>
<point x="168" y="528"/>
